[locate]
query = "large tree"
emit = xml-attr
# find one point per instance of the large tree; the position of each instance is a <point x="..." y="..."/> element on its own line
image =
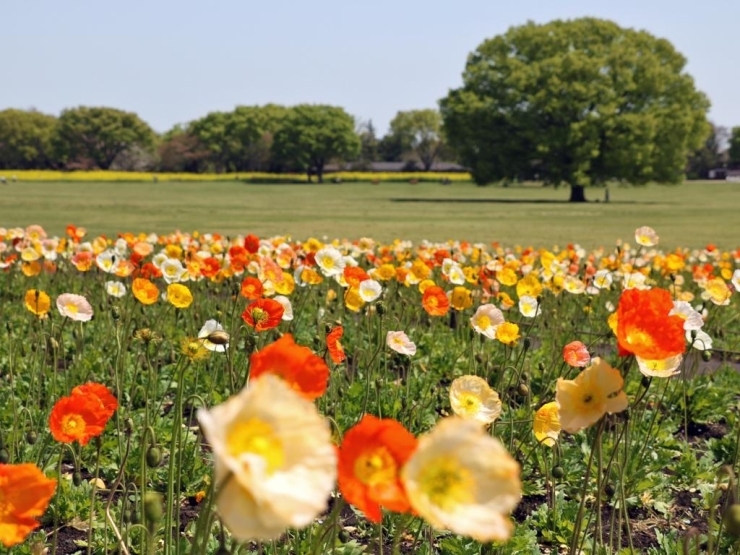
<point x="419" y="132"/>
<point x="313" y="134"/>
<point x="734" y="150"/>
<point x="94" y="136"/>
<point x="26" y="139"/>
<point x="578" y="102"/>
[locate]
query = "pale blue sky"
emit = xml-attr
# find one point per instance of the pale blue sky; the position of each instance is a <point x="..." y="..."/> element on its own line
<point x="173" y="61"/>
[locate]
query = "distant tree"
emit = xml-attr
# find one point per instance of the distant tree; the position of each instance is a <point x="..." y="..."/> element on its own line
<point x="99" y="135"/>
<point x="369" y="151"/>
<point x="181" y="151"/>
<point x="582" y="102"/>
<point x="314" y="134"/>
<point x="26" y="139"/>
<point x="734" y="150"/>
<point x="210" y="131"/>
<point x="390" y="148"/>
<point x="710" y="155"/>
<point x="249" y="133"/>
<point x="419" y="132"/>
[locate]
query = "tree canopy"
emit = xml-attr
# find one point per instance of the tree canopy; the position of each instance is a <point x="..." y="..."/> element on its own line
<point x="26" y="139"/>
<point x="95" y="136"/>
<point x="578" y="102"/>
<point x="734" y="150"/>
<point x="420" y="133"/>
<point x="313" y="134"/>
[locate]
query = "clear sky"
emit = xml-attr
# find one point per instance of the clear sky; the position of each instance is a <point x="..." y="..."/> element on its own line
<point x="174" y="61"/>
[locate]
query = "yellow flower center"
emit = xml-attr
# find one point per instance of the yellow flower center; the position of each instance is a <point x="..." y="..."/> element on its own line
<point x="259" y="315"/>
<point x="446" y="483"/>
<point x="71" y="308"/>
<point x="193" y="347"/>
<point x="73" y="424"/>
<point x="484" y="322"/>
<point x="257" y="437"/>
<point x="375" y="467"/>
<point x="470" y="403"/>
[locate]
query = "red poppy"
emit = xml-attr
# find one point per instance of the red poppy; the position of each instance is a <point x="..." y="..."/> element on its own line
<point x="103" y="394"/>
<point x="263" y="314"/>
<point x="370" y="459"/>
<point x="303" y="370"/>
<point x="251" y="288"/>
<point x="252" y="243"/>
<point x="77" y="418"/>
<point x="644" y="327"/>
<point x="336" y="350"/>
<point x="435" y="301"/>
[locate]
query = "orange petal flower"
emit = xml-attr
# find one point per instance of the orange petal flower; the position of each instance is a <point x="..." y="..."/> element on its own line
<point x="576" y="354"/>
<point x="77" y="418"/>
<point x="263" y="314"/>
<point x="370" y="459"/>
<point x="354" y="275"/>
<point x="103" y="394"/>
<point x="251" y="288"/>
<point x="336" y="350"/>
<point x="145" y="291"/>
<point x="435" y="301"/>
<point x="24" y="495"/>
<point x="644" y="327"/>
<point x="37" y="302"/>
<point x="297" y="365"/>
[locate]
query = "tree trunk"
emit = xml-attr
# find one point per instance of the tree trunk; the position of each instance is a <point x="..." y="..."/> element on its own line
<point x="577" y="193"/>
<point x="320" y="172"/>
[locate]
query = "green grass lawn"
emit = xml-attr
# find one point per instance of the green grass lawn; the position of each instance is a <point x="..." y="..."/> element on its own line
<point x="692" y="214"/>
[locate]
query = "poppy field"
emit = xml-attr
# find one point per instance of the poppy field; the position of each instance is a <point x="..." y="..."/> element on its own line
<point x="192" y="393"/>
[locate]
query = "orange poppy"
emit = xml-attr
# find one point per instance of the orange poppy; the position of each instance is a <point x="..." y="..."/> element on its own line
<point x="145" y="291"/>
<point x="263" y="314"/>
<point x="336" y="350"/>
<point x="149" y="271"/>
<point x="251" y="288"/>
<point x="370" y="458"/>
<point x="435" y="301"/>
<point x="303" y="370"/>
<point x="644" y="327"/>
<point x="354" y="275"/>
<point x="102" y="393"/>
<point x="24" y="496"/>
<point x="77" y="418"/>
<point x="210" y="267"/>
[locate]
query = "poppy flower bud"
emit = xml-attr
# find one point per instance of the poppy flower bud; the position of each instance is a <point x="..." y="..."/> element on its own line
<point x="152" y="509"/>
<point x="218" y="337"/>
<point x="380" y="308"/>
<point x="153" y="456"/>
<point x="558" y="472"/>
<point x="706" y="356"/>
<point x="115" y="312"/>
<point x="527" y="343"/>
<point x="31" y="437"/>
<point x="523" y="390"/>
<point x="731" y="520"/>
<point x="77" y="478"/>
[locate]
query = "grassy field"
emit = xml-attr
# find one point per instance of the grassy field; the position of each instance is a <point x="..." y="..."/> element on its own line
<point x="692" y="214"/>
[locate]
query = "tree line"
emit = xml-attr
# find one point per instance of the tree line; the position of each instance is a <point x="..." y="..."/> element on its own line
<point x="571" y="102"/>
<point x="268" y="138"/>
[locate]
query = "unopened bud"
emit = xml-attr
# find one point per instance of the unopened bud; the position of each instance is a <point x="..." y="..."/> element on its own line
<point x="77" y="478"/>
<point x="380" y="308"/>
<point x="558" y="472"/>
<point x="706" y="356"/>
<point x="218" y="337"/>
<point x="153" y="456"/>
<point x="152" y="509"/>
<point x="32" y="437"/>
<point x="115" y="312"/>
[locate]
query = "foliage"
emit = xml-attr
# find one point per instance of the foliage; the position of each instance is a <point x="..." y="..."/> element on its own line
<point x="710" y="155"/>
<point x="577" y="102"/>
<point x="636" y="482"/>
<point x="26" y="140"/>
<point x="93" y="137"/>
<point x="734" y="151"/>
<point x="314" y="134"/>
<point x="420" y="133"/>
